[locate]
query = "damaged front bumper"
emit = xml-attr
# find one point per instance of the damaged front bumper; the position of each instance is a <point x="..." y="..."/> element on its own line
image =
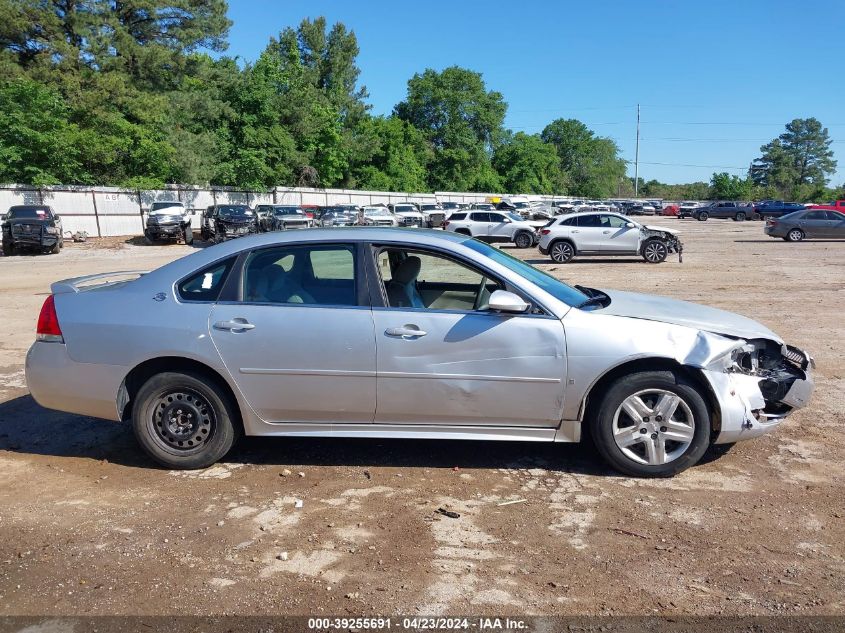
<point x="755" y="398"/>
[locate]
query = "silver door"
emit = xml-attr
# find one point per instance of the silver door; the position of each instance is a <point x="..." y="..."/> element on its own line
<point x="442" y="365"/>
<point x="303" y="354"/>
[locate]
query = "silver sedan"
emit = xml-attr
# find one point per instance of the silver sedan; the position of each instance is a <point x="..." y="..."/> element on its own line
<point x="369" y="332"/>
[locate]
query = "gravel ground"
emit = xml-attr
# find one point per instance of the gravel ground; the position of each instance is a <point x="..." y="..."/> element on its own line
<point x="88" y="525"/>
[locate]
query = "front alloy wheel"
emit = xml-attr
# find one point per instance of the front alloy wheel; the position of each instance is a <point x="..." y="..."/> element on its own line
<point x="523" y="240"/>
<point x="651" y="423"/>
<point x="653" y="426"/>
<point x="655" y="252"/>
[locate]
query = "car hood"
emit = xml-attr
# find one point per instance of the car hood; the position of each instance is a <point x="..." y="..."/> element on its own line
<point x="694" y="315"/>
<point x="652" y="227"/>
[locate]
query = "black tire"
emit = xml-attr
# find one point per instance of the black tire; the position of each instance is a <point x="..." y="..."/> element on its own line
<point x="8" y="249"/>
<point x="740" y="216"/>
<point x="561" y="251"/>
<point x="189" y="235"/>
<point x="184" y="420"/>
<point x="702" y="217"/>
<point x="523" y="239"/>
<point x="794" y="235"/>
<point x="655" y="251"/>
<point x="56" y="248"/>
<point x="609" y="409"/>
<point x="756" y="216"/>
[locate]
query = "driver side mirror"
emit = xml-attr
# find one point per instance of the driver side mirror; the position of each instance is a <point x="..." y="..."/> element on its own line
<point x="630" y="225"/>
<point x="504" y="301"/>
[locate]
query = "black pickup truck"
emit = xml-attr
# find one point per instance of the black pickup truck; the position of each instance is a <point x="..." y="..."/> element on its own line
<point x="31" y="227"/>
<point x="776" y="208"/>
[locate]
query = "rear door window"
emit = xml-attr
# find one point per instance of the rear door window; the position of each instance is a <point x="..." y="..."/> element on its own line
<point x="297" y="274"/>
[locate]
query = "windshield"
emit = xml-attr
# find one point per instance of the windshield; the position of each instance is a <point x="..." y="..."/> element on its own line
<point x="229" y="211"/>
<point x="558" y="289"/>
<point x="404" y="208"/>
<point x="287" y="210"/>
<point x="376" y="211"/>
<point x="169" y="205"/>
<point x="28" y="213"/>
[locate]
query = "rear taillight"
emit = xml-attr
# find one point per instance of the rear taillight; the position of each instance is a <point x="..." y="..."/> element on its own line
<point x="545" y="231"/>
<point x="445" y="223"/>
<point x="771" y="222"/>
<point x="48" y="329"/>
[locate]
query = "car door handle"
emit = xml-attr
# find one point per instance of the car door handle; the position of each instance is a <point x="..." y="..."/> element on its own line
<point x="576" y="231"/>
<point x="406" y="331"/>
<point x="235" y="325"/>
<point x="605" y="232"/>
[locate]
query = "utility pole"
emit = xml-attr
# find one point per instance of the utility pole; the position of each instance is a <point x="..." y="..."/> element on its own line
<point x="637" y="158"/>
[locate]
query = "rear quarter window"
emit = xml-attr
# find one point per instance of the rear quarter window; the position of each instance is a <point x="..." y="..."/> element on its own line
<point x="206" y="284"/>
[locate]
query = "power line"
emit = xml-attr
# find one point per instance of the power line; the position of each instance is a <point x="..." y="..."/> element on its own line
<point x="688" y="165"/>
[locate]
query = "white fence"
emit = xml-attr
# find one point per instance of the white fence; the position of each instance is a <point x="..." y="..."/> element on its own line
<point x="106" y="211"/>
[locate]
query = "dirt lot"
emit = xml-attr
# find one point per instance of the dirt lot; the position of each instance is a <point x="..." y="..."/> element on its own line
<point x="88" y="525"/>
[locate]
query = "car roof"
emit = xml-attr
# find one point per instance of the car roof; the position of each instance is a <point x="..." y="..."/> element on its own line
<point x="217" y="252"/>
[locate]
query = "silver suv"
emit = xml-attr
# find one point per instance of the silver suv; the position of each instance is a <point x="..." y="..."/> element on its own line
<point x="606" y="234"/>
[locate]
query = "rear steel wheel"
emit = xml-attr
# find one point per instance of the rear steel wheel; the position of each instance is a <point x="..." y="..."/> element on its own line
<point x="184" y="420"/>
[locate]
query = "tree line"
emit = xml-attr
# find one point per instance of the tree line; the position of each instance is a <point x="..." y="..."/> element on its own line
<point x="137" y="93"/>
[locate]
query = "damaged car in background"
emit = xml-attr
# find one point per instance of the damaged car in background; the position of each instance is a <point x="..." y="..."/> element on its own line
<point x="424" y="334"/>
<point x="222" y="222"/>
<point x="31" y="227"/>
<point x="604" y="234"/>
<point x="168" y="220"/>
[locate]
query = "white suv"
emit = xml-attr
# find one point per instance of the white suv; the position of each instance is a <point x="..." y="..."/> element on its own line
<point x="494" y="226"/>
<point x="606" y="234"/>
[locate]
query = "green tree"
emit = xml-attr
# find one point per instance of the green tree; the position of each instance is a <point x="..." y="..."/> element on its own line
<point x="38" y="143"/>
<point x="398" y="157"/>
<point x="797" y="163"/>
<point x="528" y="165"/>
<point x="462" y="121"/>
<point x="591" y="163"/>
<point x="724" y="186"/>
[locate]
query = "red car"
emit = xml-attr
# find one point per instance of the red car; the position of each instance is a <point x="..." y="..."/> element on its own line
<point x="669" y="209"/>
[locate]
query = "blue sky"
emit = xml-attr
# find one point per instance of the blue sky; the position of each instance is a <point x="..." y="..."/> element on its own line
<point x="715" y="79"/>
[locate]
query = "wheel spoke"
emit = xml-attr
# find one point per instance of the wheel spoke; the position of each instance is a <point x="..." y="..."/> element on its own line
<point x="655" y="451"/>
<point x="636" y="408"/>
<point x="628" y="436"/>
<point x="666" y="405"/>
<point x="678" y="431"/>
